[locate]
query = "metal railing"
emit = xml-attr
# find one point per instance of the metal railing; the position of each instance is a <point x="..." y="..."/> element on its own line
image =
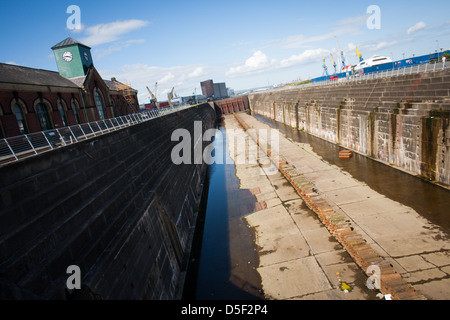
<point x="415" y="69"/>
<point x="20" y="147"/>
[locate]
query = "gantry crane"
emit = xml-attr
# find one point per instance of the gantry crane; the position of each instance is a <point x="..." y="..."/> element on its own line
<point x="342" y="54"/>
<point x="334" y="63"/>
<point x="170" y="97"/>
<point x="155" y="100"/>
<point x="325" y="68"/>
<point x="359" y="55"/>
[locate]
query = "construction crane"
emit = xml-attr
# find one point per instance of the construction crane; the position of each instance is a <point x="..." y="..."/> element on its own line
<point x="325" y="68"/>
<point x="155" y="100"/>
<point x="359" y="55"/>
<point x="334" y="63"/>
<point x="342" y="54"/>
<point x="170" y="96"/>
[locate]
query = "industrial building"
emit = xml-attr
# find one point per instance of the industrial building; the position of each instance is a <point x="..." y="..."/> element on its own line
<point x="214" y="90"/>
<point x="33" y="100"/>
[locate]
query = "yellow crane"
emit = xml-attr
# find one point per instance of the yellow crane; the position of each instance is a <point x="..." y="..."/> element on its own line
<point x="334" y="63"/>
<point x="170" y="96"/>
<point x="154" y="95"/>
<point x="359" y="55"/>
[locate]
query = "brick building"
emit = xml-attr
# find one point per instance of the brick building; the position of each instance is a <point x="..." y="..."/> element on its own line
<point x="33" y="100"/>
<point x="207" y="88"/>
<point x="214" y="90"/>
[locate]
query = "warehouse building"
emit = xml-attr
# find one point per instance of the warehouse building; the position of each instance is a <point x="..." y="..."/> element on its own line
<point x="215" y="91"/>
<point x="33" y="100"/>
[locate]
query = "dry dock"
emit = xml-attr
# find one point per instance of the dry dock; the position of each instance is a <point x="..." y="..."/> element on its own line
<point x="301" y="258"/>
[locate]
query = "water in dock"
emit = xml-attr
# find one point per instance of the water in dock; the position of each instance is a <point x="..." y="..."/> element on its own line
<point x="228" y="258"/>
<point x="429" y="200"/>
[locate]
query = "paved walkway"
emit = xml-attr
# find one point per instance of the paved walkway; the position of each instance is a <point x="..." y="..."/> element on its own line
<point x="300" y="258"/>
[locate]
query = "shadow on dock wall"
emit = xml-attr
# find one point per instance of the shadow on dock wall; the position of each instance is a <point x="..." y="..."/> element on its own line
<point x="115" y="206"/>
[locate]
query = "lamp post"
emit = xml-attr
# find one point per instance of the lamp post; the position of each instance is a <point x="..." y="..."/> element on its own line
<point x="437" y="41"/>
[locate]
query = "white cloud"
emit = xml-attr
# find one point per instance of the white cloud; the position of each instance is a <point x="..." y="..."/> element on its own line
<point x="109" y="32"/>
<point x="380" y="45"/>
<point x="418" y="26"/>
<point x="197" y="72"/>
<point x="305" y="57"/>
<point x="257" y="63"/>
<point x="168" y="78"/>
<point x="351" y="25"/>
<point x="100" y="53"/>
<point x="300" y="40"/>
<point x="260" y="62"/>
<point x="140" y="76"/>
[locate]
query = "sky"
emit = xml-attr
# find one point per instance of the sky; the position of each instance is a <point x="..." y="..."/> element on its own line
<point x="246" y="43"/>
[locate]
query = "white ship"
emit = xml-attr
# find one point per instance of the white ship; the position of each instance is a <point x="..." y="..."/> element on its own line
<point x="374" y="61"/>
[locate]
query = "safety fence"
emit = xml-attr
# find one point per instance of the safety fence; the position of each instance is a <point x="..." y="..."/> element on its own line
<point x="415" y="69"/>
<point x="20" y="147"/>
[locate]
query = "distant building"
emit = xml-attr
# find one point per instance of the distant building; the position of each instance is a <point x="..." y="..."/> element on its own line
<point x="33" y="100"/>
<point x="220" y="91"/>
<point x="207" y="88"/>
<point x="214" y="90"/>
<point x="190" y="100"/>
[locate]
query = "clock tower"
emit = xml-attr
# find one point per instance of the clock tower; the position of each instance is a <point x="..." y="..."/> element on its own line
<point x="73" y="58"/>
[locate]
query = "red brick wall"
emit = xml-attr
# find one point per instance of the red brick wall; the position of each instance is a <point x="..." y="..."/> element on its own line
<point x="9" y="121"/>
<point x="94" y="81"/>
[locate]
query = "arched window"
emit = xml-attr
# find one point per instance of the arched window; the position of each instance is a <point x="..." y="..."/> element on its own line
<point x="75" y="111"/>
<point x="62" y="112"/>
<point x="99" y="104"/>
<point x="18" y="112"/>
<point x="44" y="118"/>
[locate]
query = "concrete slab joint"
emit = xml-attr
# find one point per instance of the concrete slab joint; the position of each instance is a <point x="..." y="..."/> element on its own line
<point x="341" y="227"/>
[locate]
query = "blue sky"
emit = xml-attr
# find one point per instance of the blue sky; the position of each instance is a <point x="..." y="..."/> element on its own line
<point x="244" y="43"/>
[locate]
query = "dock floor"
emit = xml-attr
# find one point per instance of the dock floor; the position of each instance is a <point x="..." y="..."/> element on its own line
<point x="301" y="259"/>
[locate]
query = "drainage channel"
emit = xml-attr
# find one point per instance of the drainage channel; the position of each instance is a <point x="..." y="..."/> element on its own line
<point x="224" y="260"/>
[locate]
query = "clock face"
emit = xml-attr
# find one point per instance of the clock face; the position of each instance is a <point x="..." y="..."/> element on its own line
<point x="67" y="56"/>
<point x="86" y="56"/>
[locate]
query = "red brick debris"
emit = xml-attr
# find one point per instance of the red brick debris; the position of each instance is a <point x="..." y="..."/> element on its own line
<point x="340" y="226"/>
<point x="345" y="154"/>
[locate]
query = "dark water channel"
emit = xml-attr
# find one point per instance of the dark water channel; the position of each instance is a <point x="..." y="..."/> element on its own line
<point x="224" y="263"/>
<point x="430" y="201"/>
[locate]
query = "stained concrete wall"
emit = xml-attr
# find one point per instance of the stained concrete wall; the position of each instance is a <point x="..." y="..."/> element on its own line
<point x="402" y="121"/>
<point x="230" y="106"/>
<point x="116" y="206"/>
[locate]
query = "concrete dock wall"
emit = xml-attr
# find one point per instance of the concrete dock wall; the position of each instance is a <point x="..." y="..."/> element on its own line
<point x="115" y="206"/>
<point x="402" y="121"/>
